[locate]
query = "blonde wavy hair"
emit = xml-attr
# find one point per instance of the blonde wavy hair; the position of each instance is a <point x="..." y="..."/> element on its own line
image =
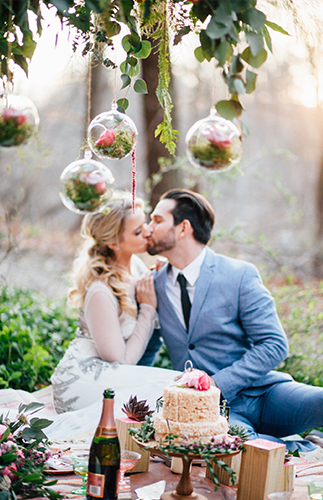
<point x="96" y="260"/>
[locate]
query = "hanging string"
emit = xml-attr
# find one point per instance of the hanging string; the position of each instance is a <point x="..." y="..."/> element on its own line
<point x="133" y="190"/>
<point x="89" y="92"/>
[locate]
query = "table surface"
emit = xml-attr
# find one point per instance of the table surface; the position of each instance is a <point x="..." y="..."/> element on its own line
<point x="158" y="471"/>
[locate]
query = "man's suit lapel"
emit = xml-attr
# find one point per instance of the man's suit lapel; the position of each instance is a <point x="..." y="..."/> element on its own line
<point x="205" y="278"/>
<point x="160" y="284"/>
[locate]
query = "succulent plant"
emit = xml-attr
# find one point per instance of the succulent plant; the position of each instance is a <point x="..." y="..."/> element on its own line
<point x="238" y="430"/>
<point x="137" y="410"/>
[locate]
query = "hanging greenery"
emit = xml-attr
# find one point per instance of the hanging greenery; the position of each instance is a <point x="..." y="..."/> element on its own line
<point x="233" y="32"/>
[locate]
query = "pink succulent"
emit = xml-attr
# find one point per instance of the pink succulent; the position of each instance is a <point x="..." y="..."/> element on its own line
<point x="197" y="379"/>
<point x="106" y="138"/>
<point x="218" y="138"/>
<point x="8" y="113"/>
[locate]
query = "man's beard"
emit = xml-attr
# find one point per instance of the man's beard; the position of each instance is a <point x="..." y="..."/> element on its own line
<point x="159" y="247"/>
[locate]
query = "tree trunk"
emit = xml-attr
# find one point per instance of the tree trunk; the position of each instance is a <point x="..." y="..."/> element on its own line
<point x="318" y="256"/>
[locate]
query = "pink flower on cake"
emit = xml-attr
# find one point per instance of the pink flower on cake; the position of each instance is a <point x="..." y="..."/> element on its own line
<point x="197" y="379"/>
<point x="106" y="138"/>
<point x="218" y="138"/>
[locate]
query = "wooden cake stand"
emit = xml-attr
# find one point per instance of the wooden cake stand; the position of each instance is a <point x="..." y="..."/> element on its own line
<point x="184" y="489"/>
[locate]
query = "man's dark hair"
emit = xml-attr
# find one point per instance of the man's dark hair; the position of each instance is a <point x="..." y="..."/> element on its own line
<point x="195" y="208"/>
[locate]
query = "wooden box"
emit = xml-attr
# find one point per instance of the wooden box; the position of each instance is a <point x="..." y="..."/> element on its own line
<point x="233" y="462"/>
<point x="127" y="443"/>
<point x="261" y="470"/>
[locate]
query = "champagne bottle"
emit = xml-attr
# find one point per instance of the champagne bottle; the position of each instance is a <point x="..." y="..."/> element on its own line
<point x="104" y="459"/>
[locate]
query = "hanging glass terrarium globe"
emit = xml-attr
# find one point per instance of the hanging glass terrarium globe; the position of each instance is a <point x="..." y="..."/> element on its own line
<point x="19" y="119"/>
<point x="214" y="143"/>
<point x="86" y="185"/>
<point x="112" y="134"/>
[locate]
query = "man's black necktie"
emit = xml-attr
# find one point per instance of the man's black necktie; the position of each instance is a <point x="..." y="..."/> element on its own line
<point x="186" y="303"/>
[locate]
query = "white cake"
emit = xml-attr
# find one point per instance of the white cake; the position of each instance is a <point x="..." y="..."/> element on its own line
<point x="190" y="414"/>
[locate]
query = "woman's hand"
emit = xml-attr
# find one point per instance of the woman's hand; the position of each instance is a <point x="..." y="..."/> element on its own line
<point x="145" y="290"/>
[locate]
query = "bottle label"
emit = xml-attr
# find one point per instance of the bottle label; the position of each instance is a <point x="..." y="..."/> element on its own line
<point x="107" y="432"/>
<point x="95" y="485"/>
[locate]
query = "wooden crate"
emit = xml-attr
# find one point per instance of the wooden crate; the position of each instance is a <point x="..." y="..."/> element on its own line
<point x="127" y="443"/>
<point x="233" y="462"/>
<point x="261" y="470"/>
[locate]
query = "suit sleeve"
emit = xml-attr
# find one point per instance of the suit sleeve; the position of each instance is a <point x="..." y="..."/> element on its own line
<point x="268" y="342"/>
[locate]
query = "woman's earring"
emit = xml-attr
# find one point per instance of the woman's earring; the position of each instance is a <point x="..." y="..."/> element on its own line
<point x="118" y="248"/>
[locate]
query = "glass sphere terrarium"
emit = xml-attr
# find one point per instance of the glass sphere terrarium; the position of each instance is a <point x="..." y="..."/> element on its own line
<point x="112" y="134"/>
<point x="86" y="185"/>
<point x="213" y="143"/>
<point x="19" y="119"/>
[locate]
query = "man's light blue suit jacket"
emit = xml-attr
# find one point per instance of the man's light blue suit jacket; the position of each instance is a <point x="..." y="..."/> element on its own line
<point x="234" y="331"/>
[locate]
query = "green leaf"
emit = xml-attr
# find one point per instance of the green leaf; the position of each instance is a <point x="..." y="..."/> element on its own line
<point x="215" y="30"/>
<point x="198" y="52"/>
<point x="144" y="50"/>
<point x="255" y="62"/>
<point x="238" y="86"/>
<point x="256" y="42"/>
<point x="61" y="5"/>
<point x="112" y="28"/>
<point x="21" y="61"/>
<point x="208" y="46"/>
<point x="229" y="109"/>
<point x="236" y="65"/>
<point x="267" y="37"/>
<point x="182" y="32"/>
<point x="140" y="86"/>
<point x="40" y="423"/>
<point x="122" y="104"/>
<point x="255" y="18"/>
<point x="129" y="70"/>
<point x="224" y="52"/>
<point x="130" y="42"/>
<point x="275" y="27"/>
<point x="33" y="406"/>
<point x="132" y="60"/>
<point x="125" y="81"/>
<point x="251" y="82"/>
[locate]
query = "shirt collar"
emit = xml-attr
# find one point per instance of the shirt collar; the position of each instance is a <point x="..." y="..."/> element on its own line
<point x="191" y="272"/>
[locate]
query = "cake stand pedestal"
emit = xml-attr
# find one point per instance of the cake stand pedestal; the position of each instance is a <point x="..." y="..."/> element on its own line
<point x="184" y="489"/>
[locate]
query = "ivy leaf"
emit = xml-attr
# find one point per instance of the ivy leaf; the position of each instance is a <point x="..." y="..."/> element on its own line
<point x="229" y="109"/>
<point x="143" y="50"/>
<point x="255" y="41"/>
<point x="122" y="104"/>
<point x="29" y="45"/>
<point x="198" y="52"/>
<point x="275" y="27"/>
<point x="251" y="82"/>
<point x="182" y="32"/>
<point x="215" y="30"/>
<point x="256" y="61"/>
<point x="224" y="52"/>
<point x="125" y="81"/>
<point x="255" y="18"/>
<point x="140" y="86"/>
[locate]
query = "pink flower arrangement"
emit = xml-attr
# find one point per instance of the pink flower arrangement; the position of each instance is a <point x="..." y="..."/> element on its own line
<point x="218" y="138"/>
<point x="197" y="379"/>
<point x="106" y="138"/>
<point x="9" y="113"/>
<point x="95" y="179"/>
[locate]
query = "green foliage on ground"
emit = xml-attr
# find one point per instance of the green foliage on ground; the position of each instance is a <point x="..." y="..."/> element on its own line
<point x="300" y="309"/>
<point x="34" y="333"/>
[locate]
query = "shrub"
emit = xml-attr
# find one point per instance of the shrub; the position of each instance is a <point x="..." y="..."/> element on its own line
<point x="34" y="333"/>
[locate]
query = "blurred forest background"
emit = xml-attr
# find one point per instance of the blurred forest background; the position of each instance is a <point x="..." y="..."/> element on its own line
<point x="269" y="210"/>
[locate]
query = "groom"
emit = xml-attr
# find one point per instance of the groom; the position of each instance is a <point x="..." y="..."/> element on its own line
<point x="215" y="311"/>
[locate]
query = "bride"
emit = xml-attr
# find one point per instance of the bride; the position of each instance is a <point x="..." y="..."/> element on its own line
<point x="117" y="304"/>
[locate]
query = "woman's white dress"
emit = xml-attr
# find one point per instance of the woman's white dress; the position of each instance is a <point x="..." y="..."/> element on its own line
<point x="81" y="376"/>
